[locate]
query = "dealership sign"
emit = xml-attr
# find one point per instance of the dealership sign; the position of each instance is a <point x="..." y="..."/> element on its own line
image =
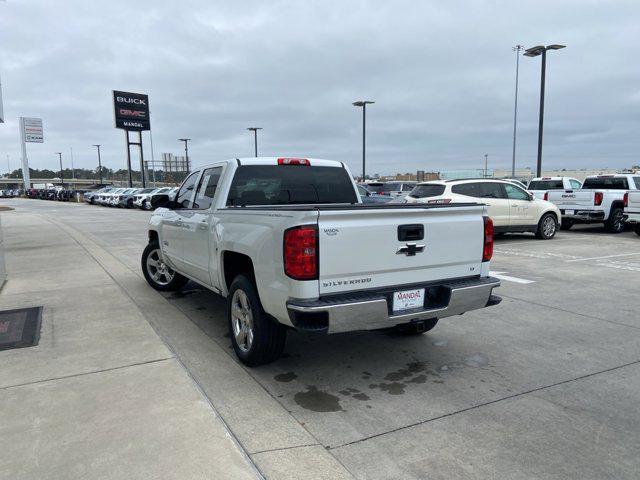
<point x="131" y="111"/>
<point x="31" y="130"/>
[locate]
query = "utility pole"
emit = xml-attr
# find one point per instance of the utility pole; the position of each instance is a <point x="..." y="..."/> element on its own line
<point x="516" y="49"/>
<point x="486" y="163"/>
<point x="73" y="171"/>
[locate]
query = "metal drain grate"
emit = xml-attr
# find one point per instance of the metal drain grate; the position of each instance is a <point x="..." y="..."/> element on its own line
<point x="20" y="328"/>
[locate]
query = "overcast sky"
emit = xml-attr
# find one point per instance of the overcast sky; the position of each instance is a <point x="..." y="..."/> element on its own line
<point x="442" y="75"/>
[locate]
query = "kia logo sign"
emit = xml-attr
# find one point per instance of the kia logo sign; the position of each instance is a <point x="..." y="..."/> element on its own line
<point x="131" y="111"/>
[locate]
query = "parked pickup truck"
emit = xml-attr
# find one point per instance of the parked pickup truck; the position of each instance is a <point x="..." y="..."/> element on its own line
<point x="541" y="185"/>
<point x="632" y="209"/>
<point x="600" y="200"/>
<point x="289" y="243"/>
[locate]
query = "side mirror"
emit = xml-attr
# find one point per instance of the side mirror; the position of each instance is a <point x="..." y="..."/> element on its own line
<point x="165" y="201"/>
<point x="531" y="196"/>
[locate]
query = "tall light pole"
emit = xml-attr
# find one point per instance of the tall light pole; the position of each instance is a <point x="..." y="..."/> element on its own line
<point x="516" y="49"/>
<point x="99" y="162"/>
<point x="363" y="104"/>
<point x="534" y="52"/>
<point x="186" y="150"/>
<point x="255" y="138"/>
<point x="486" y="164"/>
<point x="61" y="174"/>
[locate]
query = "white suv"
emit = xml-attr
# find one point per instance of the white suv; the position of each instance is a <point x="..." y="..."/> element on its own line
<point x="511" y="208"/>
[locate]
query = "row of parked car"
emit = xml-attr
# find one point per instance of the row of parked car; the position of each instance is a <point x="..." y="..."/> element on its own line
<point x="546" y="204"/>
<point x="9" y="193"/>
<point x="127" y="197"/>
<point x="56" y="193"/>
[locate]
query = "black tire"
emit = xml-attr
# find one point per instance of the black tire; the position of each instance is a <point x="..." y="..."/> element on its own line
<point x="566" y="224"/>
<point x="546" y="230"/>
<point x="615" y="222"/>
<point x="130" y="203"/>
<point x="266" y="341"/>
<point x="417" y="328"/>
<point x="637" y="230"/>
<point x="170" y="281"/>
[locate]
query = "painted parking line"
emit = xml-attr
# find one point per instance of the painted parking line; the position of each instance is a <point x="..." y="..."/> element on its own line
<point x="602" y="258"/>
<point x="508" y="278"/>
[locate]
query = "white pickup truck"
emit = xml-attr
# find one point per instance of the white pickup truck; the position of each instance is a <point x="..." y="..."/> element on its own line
<point x="541" y="185"/>
<point x="290" y="245"/>
<point x="632" y="209"/>
<point x="600" y="200"/>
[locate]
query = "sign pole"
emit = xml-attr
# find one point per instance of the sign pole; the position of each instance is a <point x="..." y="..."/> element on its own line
<point x="25" y="162"/>
<point x="142" y="175"/>
<point x="126" y="132"/>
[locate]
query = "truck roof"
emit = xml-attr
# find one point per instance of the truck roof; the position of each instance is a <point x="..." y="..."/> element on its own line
<point x="613" y="175"/>
<point x="317" y="162"/>
<point x="551" y="178"/>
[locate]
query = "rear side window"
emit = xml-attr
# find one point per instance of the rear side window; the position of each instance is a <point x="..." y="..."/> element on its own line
<point x="636" y="180"/>
<point x="576" y="184"/>
<point x="614" y="183"/>
<point x="546" y="185"/>
<point x="207" y="188"/>
<point x="407" y="187"/>
<point x="290" y="184"/>
<point x="424" y="191"/>
<point x="468" y="189"/>
<point x="493" y="190"/>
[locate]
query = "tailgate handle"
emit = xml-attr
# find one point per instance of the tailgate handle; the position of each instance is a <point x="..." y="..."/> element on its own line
<point x="410" y="232"/>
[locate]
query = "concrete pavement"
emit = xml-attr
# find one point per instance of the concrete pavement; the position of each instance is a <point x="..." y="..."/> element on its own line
<point x="545" y="385"/>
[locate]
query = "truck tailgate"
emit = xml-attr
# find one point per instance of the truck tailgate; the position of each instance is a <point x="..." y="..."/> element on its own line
<point x="634" y="202"/>
<point x="572" y="198"/>
<point x="359" y="248"/>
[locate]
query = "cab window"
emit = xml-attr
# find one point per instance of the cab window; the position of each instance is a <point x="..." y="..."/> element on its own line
<point x="515" y="193"/>
<point x="207" y="188"/>
<point x="184" y="198"/>
<point x="575" y="184"/>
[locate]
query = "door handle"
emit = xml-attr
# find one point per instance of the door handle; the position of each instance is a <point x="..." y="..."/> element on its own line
<point x="202" y="225"/>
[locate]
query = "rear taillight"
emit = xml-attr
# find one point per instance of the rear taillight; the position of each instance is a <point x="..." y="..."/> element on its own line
<point x="439" y="200"/>
<point x="597" y="198"/>
<point x="301" y="252"/>
<point x="546" y="196"/>
<point x="487" y="251"/>
<point x="294" y="161"/>
<point x="625" y="199"/>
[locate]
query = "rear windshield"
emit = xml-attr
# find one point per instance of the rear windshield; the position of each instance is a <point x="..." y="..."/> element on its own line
<point x="546" y="185"/>
<point x="614" y="183"/>
<point x="392" y="187"/>
<point x="374" y="187"/>
<point x="423" y="191"/>
<point x="290" y="184"/>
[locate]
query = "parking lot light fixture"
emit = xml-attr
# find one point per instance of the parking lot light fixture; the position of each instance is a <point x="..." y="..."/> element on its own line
<point x="61" y="174"/>
<point x="535" y="52"/>
<point x="255" y="138"/>
<point x="186" y="150"/>
<point x="363" y="104"/>
<point x="99" y="163"/>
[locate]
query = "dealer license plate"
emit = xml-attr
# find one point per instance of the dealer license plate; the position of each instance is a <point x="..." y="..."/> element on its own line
<point x="408" y="299"/>
<point x="569" y="212"/>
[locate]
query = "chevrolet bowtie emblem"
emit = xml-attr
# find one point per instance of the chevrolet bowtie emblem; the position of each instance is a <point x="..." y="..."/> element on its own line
<point x="410" y="249"/>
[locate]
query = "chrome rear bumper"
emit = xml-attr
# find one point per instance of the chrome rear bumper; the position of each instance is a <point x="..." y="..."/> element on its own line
<point x="372" y="310"/>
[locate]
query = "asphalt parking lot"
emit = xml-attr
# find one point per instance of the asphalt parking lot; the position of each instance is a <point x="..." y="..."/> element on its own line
<point x="544" y="385"/>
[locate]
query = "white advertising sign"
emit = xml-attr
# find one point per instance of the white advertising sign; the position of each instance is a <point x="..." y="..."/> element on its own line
<point x="31" y="129"/>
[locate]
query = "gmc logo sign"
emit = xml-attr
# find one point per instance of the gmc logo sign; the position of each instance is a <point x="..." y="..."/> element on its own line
<point x="131" y="113"/>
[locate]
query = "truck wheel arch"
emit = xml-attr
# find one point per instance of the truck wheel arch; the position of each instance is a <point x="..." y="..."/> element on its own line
<point x="154" y="237"/>
<point x="234" y="264"/>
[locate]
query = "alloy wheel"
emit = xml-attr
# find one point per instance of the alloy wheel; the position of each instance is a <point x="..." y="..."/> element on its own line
<point x="242" y="320"/>
<point x="159" y="271"/>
